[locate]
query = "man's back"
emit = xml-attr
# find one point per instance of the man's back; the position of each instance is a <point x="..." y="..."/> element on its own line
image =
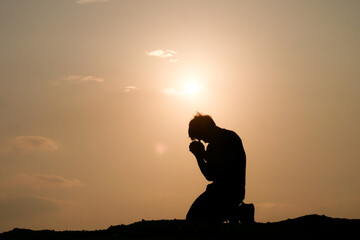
<point x="226" y="157"/>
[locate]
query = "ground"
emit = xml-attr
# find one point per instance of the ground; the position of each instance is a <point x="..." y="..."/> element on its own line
<point x="306" y="227"/>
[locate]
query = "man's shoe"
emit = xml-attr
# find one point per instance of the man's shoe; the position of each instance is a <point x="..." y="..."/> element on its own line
<point x="247" y="213"/>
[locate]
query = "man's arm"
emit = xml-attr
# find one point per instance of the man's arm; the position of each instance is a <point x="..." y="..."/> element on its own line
<point x="198" y="149"/>
<point x="205" y="169"/>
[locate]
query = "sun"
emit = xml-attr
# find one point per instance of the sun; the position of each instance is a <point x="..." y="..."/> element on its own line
<point x="191" y="88"/>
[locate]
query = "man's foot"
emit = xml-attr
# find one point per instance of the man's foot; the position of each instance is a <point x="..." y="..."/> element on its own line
<point x="244" y="213"/>
<point x="247" y="213"/>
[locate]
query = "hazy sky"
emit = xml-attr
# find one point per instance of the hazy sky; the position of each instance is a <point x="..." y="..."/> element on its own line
<point x="94" y="107"/>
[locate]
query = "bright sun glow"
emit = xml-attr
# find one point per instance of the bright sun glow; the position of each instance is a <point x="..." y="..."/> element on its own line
<point x="191" y="88"/>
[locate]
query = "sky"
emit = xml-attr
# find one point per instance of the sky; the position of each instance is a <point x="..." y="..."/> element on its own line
<point x="96" y="97"/>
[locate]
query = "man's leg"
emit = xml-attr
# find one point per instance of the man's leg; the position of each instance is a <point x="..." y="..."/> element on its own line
<point x="208" y="207"/>
<point x="199" y="209"/>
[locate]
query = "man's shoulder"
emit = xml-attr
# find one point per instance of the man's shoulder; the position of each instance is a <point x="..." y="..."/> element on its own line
<point x="230" y="134"/>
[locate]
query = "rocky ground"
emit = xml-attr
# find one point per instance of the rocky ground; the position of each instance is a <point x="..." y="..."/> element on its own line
<point x="306" y="227"/>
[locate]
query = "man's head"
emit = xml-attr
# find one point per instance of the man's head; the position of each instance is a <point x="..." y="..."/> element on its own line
<point x="201" y="127"/>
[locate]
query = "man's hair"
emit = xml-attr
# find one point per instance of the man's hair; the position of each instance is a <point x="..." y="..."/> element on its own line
<point x="200" y="124"/>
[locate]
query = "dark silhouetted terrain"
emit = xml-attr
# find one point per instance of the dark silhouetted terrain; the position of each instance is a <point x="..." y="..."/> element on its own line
<point x="306" y="227"/>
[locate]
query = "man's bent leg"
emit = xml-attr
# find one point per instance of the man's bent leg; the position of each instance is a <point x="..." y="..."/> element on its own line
<point x="208" y="207"/>
<point x="199" y="209"/>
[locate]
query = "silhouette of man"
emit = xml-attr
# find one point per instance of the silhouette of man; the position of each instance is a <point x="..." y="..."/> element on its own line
<point x="224" y="163"/>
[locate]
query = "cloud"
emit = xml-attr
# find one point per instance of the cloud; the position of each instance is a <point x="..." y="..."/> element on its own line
<point x="30" y="144"/>
<point x="161" y="53"/>
<point x="90" y="1"/>
<point x="130" y="88"/>
<point x="164" y="54"/>
<point x="20" y="207"/>
<point x="39" y="181"/>
<point x="78" y="79"/>
<point x="57" y="180"/>
<point x="83" y="79"/>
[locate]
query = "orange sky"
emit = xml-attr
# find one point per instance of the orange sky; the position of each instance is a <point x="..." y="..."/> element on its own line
<point x="94" y="109"/>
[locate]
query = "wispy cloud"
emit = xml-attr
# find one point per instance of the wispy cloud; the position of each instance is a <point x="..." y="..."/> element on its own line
<point x="15" y="208"/>
<point x="90" y="1"/>
<point x="78" y="79"/>
<point x="83" y="79"/>
<point x="164" y="54"/>
<point x="57" y="180"/>
<point x="29" y="144"/>
<point x="39" y="181"/>
<point x="130" y="88"/>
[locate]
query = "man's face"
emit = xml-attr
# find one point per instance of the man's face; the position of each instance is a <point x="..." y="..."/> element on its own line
<point x="204" y="137"/>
